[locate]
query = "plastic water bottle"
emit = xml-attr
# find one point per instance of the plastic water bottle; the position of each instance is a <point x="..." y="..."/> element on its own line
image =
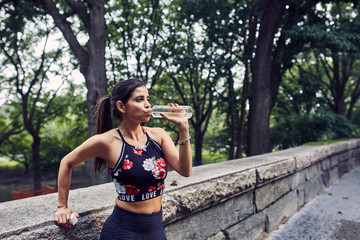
<point x="175" y="111"/>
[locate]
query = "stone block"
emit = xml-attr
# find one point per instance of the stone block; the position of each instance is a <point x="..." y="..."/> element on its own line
<point x="86" y="228"/>
<point x="325" y="177"/>
<point x="338" y="148"/>
<point x="333" y="175"/>
<point x="282" y="209"/>
<point x="208" y="222"/>
<point x="344" y="156"/>
<point x="304" y="160"/>
<point x="326" y="164"/>
<point x="300" y="196"/>
<point x="269" y="193"/>
<point x="250" y="228"/>
<point x="353" y="143"/>
<point x="355" y="152"/>
<point x="312" y="188"/>
<point x="205" y="194"/>
<point x="297" y="179"/>
<point x="357" y="161"/>
<point x="343" y="167"/>
<point x="313" y="171"/>
<point x="275" y="170"/>
<point x="352" y="163"/>
<point x="334" y="160"/>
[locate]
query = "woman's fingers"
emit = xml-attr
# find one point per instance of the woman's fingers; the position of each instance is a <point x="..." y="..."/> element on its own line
<point x="63" y="218"/>
<point x="76" y="214"/>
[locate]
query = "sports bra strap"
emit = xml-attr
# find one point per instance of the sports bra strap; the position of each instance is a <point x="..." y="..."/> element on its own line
<point x="117" y="129"/>
<point x="142" y="128"/>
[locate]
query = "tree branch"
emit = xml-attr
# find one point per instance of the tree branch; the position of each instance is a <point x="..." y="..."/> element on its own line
<point x="65" y="28"/>
<point x="80" y="8"/>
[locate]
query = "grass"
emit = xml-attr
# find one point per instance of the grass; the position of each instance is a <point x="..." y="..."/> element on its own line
<point x="214" y="157"/>
<point x="9" y="164"/>
<point x="325" y="142"/>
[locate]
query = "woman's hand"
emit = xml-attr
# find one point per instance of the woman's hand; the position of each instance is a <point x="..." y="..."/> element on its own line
<point x="180" y="160"/>
<point x="181" y="122"/>
<point x="63" y="217"/>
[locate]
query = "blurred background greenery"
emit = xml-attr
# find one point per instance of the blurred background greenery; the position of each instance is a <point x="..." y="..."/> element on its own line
<point x="260" y="75"/>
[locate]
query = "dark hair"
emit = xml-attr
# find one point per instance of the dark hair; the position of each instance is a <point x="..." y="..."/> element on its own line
<point x="106" y="108"/>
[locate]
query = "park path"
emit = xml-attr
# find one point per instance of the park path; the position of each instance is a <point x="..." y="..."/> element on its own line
<point x="335" y="214"/>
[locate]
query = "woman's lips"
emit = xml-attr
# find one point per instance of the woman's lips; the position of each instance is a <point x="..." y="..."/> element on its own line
<point x="148" y="113"/>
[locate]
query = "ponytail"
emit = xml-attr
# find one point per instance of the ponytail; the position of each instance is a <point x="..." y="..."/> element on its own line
<point x="103" y="124"/>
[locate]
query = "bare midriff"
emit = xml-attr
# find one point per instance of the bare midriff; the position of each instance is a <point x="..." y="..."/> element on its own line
<point x="145" y="207"/>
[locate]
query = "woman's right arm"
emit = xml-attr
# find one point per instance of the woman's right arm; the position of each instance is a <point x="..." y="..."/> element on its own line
<point x="95" y="146"/>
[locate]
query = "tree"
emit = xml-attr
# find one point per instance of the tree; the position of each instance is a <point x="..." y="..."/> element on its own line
<point x="91" y="56"/>
<point x="90" y="14"/>
<point x="321" y="88"/>
<point x="190" y="66"/>
<point x="8" y="128"/>
<point x="65" y="131"/>
<point x="231" y="27"/>
<point x="136" y="39"/>
<point x="274" y="52"/>
<point x="334" y="56"/>
<point x="28" y="74"/>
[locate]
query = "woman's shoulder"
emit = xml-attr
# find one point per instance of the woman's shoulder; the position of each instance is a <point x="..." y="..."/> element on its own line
<point x="107" y="137"/>
<point x="157" y="131"/>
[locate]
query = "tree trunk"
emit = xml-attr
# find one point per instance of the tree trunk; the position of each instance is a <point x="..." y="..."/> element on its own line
<point x="198" y="145"/>
<point x="231" y="114"/>
<point x="36" y="162"/>
<point x="92" y="59"/>
<point x="95" y="74"/>
<point x="244" y="97"/>
<point x="354" y="98"/>
<point x="248" y="52"/>
<point x="261" y="96"/>
<point x="338" y="83"/>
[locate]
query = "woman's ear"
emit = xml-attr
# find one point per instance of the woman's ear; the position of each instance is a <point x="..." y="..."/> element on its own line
<point x="120" y="106"/>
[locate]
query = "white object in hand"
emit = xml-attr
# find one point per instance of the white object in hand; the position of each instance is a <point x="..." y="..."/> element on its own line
<point x="174" y="111"/>
<point x="74" y="219"/>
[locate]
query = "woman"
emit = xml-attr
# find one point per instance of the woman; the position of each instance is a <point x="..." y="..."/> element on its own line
<point x="136" y="157"/>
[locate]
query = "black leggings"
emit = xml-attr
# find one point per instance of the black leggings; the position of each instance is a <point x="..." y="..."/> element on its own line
<point x="122" y="224"/>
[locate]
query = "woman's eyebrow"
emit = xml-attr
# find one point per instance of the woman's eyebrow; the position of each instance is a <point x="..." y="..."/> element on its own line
<point x="143" y="96"/>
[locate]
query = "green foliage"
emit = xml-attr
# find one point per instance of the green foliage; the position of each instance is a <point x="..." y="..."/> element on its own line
<point x="136" y="39"/>
<point x="9" y="164"/>
<point x="18" y="148"/>
<point x="299" y="92"/>
<point x="214" y="157"/>
<point x="53" y="150"/>
<point x="217" y="135"/>
<point x="296" y="129"/>
<point x="190" y="52"/>
<point x="356" y="117"/>
<point x="70" y="125"/>
<point x="65" y="132"/>
<point x="62" y="133"/>
<point x="15" y="15"/>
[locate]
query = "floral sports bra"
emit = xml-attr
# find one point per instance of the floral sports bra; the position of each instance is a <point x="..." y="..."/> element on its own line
<point x="140" y="172"/>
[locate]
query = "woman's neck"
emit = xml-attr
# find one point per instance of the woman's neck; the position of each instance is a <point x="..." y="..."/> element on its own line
<point x="131" y="131"/>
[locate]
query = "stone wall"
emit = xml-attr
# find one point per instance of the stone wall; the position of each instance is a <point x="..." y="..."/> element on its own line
<point x="238" y="199"/>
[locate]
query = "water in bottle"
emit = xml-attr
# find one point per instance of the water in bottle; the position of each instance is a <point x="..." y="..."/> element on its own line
<point x="175" y="111"/>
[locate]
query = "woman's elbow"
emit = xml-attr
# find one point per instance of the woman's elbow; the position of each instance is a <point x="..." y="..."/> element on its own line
<point x="186" y="173"/>
<point x="66" y="163"/>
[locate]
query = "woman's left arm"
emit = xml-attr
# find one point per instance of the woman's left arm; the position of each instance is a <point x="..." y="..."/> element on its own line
<point x="180" y="160"/>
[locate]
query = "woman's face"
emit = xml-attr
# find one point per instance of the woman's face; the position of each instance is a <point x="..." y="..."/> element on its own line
<point x="138" y="106"/>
